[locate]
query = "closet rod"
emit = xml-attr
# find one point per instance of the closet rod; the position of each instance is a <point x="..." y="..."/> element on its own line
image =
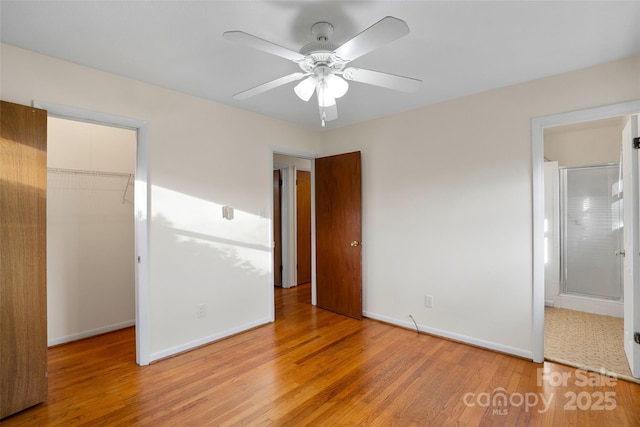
<point x="86" y="172"/>
<point x="129" y="176"/>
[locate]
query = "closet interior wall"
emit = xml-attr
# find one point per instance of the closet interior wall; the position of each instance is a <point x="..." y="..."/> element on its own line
<point x="90" y="229"/>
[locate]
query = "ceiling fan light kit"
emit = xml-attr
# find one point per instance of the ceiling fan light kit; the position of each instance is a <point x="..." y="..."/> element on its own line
<point x="305" y="88"/>
<point x="323" y="64"/>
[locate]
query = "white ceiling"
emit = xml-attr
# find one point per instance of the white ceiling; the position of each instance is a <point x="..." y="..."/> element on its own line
<point x="455" y="48"/>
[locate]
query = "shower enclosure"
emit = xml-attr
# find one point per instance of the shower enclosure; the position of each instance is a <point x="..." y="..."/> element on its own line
<point x="591" y="236"/>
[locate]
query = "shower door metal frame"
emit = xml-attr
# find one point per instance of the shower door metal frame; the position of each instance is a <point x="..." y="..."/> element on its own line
<point x="563" y="231"/>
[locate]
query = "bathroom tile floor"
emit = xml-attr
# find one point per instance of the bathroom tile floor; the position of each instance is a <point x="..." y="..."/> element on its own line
<point x="589" y="341"/>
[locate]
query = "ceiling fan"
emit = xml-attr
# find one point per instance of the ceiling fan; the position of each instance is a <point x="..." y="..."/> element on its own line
<point x="323" y="64"/>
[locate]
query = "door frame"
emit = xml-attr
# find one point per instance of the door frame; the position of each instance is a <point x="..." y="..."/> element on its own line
<point x="302" y="155"/>
<point x="538" y="124"/>
<point x="285" y="217"/>
<point x="141" y="209"/>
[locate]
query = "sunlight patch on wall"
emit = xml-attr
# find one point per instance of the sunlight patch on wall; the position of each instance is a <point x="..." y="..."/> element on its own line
<point x="194" y="220"/>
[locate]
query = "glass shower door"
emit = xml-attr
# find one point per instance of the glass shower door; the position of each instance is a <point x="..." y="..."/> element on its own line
<point x="592" y="232"/>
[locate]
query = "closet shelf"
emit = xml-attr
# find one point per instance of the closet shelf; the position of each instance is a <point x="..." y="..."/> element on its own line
<point x="88" y="172"/>
<point x="128" y="176"/>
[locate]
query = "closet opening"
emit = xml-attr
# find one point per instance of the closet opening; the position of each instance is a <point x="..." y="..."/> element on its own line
<point x="91" y="272"/>
<point x="141" y="198"/>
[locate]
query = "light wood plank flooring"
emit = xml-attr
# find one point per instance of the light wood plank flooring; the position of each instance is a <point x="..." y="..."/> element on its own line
<point x="313" y="367"/>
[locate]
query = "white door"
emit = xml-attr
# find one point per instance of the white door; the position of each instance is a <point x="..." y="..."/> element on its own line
<point x="631" y="244"/>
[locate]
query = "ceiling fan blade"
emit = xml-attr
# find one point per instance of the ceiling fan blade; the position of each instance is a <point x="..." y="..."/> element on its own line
<point x="376" y="78"/>
<point x="263" y="45"/>
<point x="382" y="32"/>
<point x="268" y="86"/>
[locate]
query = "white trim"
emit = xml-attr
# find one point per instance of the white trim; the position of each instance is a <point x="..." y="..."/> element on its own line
<point x="538" y="124"/>
<point x="141" y="209"/>
<point x="314" y="293"/>
<point x="90" y="333"/>
<point x="294" y="217"/>
<point x="208" y="339"/>
<point x="451" y="335"/>
<point x="600" y="306"/>
<point x="285" y="218"/>
<point x="552" y="232"/>
<point x="143" y="285"/>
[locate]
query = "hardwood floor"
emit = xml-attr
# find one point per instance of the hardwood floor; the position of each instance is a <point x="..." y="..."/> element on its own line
<point x="313" y="367"/>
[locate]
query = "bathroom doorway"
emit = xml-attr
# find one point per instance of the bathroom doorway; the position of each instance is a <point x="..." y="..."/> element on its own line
<point x="583" y="242"/>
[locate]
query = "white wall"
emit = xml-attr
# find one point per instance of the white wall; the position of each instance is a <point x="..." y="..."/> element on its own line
<point x="447" y="196"/>
<point x="202" y="156"/>
<point x="589" y="144"/>
<point x="90" y="230"/>
<point x="291" y="161"/>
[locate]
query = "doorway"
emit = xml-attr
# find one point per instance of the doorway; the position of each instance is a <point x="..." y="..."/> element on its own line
<point x="583" y="217"/>
<point x="539" y="125"/>
<point x="90" y="229"/>
<point x="140" y="203"/>
<point x="336" y="226"/>
<point x="292" y="220"/>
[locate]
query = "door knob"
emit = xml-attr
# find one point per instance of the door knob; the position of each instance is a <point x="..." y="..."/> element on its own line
<point x="355" y="243"/>
<point x="620" y="252"/>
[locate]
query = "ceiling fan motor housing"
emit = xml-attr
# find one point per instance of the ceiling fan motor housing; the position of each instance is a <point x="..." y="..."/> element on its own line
<point x="321" y="48"/>
<point x="318" y="46"/>
<point x="322" y="30"/>
<point x="318" y="53"/>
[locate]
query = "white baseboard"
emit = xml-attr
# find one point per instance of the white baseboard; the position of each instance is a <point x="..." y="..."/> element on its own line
<point x="206" y="340"/>
<point x="452" y="336"/>
<point x="90" y="333"/>
<point x="590" y="305"/>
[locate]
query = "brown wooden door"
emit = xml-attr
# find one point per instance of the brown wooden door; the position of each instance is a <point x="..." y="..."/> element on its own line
<point x="338" y="234"/>
<point x="303" y="215"/>
<point x="23" y="269"/>
<point x="277" y="229"/>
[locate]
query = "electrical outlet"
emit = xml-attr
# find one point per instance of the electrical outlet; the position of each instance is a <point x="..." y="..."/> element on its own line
<point x="428" y="301"/>
<point x="202" y="310"/>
